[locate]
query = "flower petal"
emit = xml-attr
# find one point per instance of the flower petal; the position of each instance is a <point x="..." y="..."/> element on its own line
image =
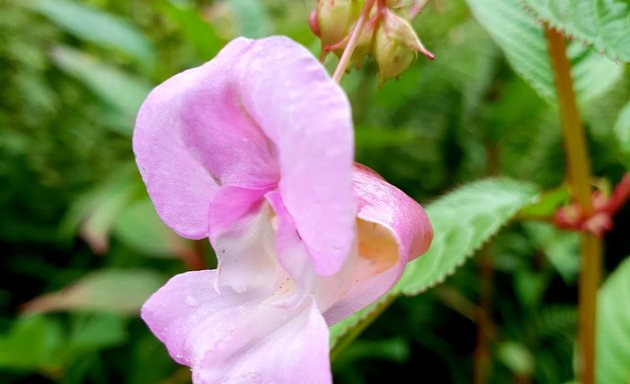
<point x="230" y="204"/>
<point x="228" y="340"/>
<point x="296" y="352"/>
<point x="393" y="229"/>
<point x="307" y="117"/>
<point x="172" y="310"/>
<point x="192" y="134"/>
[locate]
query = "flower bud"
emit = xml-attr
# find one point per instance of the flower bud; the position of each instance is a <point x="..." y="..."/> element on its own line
<point x="395" y="46"/>
<point x="334" y="19"/>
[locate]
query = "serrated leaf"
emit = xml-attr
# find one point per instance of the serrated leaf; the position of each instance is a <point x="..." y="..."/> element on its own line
<point x="521" y="37"/>
<point x="574" y="18"/>
<point x="123" y="91"/>
<point x="462" y="222"/>
<point x="613" y="22"/>
<point x="613" y="327"/>
<point x="113" y="290"/>
<point x="140" y="228"/>
<point x="96" y="26"/>
<point x="603" y="24"/>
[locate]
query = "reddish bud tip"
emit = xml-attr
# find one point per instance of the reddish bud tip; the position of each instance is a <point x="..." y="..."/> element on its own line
<point x="313" y="23"/>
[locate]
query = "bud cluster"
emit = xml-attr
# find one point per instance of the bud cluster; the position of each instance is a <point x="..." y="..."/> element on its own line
<point x="387" y="36"/>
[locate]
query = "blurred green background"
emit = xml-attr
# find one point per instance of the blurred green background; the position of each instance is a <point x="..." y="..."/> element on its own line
<point x="81" y="246"/>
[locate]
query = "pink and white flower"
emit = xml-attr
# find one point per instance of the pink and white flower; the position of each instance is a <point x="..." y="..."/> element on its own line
<point x="254" y="150"/>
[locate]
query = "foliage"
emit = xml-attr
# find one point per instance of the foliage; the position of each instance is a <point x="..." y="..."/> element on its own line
<point x="81" y="242"/>
<point x="522" y="39"/>
<point x="601" y="23"/>
<point x="463" y="221"/>
<point x="614" y="327"/>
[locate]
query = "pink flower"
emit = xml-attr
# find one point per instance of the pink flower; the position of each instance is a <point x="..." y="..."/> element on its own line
<point x="254" y="150"/>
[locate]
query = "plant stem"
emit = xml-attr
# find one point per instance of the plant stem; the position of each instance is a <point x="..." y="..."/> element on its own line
<point x="482" y="362"/>
<point x="579" y="175"/>
<point x="352" y="42"/>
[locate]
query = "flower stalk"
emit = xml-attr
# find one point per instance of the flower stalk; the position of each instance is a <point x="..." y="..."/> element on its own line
<point x="578" y="174"/>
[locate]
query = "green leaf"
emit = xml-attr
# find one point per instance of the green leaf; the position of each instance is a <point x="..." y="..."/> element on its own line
<point x="613" y="327"/>
<point x="462" y="222"/>
<point x="113" y="290"/>
<point x="614" y="27"/>
<point x="123" y="91"/>
<point x="547" y="205"/>
<point x="522" y="39"/>
<point x="97" y="331"/>
<point x="574" y="18"/>
<point x="601" y="23"/>
<point x="622" y="131"/>
<point x="201" y="34"/>
<point x="98" y="27"/>
<point x="140" y="228"/>
<point x="96" y="212"/>
<point x="33" y="342"/>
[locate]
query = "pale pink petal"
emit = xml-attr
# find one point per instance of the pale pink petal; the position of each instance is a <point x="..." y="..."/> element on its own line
<point x="174" y="310"/>
<point x="393" y="229"/>
<point x="296" y="352"/>
<point x="307" y="117"/>
<point x="228" y="340"/>
<point x="192" y="134"/>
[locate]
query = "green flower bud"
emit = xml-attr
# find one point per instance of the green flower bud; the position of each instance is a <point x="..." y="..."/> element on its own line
<point x="395" y="46"/>
<point x="334" y="19"/>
